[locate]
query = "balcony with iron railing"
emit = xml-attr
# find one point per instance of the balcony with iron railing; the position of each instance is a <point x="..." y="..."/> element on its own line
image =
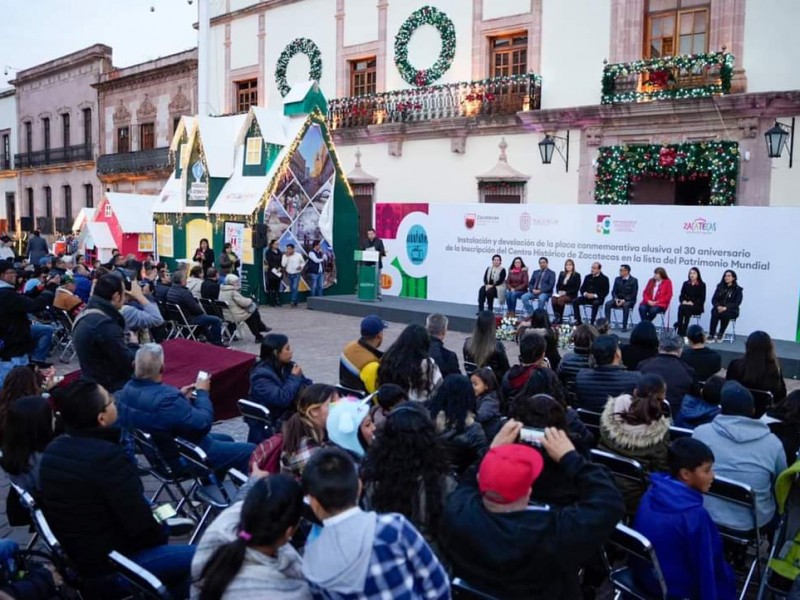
<point x="53" y="156"/>
<point x="668" y="77"/>
<point x="142" y="161"/>
<point x="477" y="99"/>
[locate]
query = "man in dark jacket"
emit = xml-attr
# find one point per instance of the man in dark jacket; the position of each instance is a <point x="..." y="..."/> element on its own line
<point x="179" y="294"/>
<point x="446" y="360"/>
<point x="37" y="248"/>
<point x="609" y="377"/>
<point x="532" y="347"/>
<point x="540" y="287"/>
<point x="18" y="336"/>
<point x="94" y="501"/>
<point x="99" y="336"/>
<point x="373" y="242"/>
<point x="162" y="285"/>
<point x="623" y="295"/>
<point x="148" y="404"/>
<point x="678" y="375"/>
<point x="495" y="541"/>
<point x="209" y="289"/>
<point x="593" y="292"/>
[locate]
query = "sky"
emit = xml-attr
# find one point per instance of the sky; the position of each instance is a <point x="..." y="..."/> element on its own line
<point x="36" y="31"/>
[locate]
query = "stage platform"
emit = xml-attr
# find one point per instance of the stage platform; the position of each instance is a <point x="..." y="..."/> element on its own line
<point x="462" y="317"/>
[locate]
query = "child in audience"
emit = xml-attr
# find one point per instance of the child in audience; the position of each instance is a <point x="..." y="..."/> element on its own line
<point x="387" y="397"/>
<point x="685" y="539"/>
<point x="489" y="406"/>
<point x="350" y="427"/>
<point x="699" y="411"/>
<point x="304" y="433"/>
<point x="362" y="555"/>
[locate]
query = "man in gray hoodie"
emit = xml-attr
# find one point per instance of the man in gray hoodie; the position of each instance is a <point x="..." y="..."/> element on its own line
<point x="746" y="452"/>
<point x="363" y="555"/>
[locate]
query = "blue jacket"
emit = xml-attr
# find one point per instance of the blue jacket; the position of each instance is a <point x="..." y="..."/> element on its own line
<point x="544" y="281"/>
<point x="694" y="411"/>
<point x="686" y="542"/>
<point x="276" y="392"/>
<point x="83" y="287"/>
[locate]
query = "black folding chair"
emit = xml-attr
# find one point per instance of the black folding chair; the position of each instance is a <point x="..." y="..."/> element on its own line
<point x="172" y="330"/>
<point x="146" y="586"/>
<point x="763" y="399"/>
<point x="462" y="590"/>
<point x="27" y="503"/>
<point x="470" y="367"/>
<point x="258" y="419"/>
<point x="237" y="477"/>
<point x="223" y="311"/>
<point x="64" y="341"/>
<point x="348" y="391"/>
<point x="591" y="420"/>
<point x="635" y="547"/>
<point x="184" y="329"/>
<point x="620" y="466"/>
<point x="676" y="433"/>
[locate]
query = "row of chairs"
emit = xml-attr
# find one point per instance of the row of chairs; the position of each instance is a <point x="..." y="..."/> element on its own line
<point x="179" y="326"/>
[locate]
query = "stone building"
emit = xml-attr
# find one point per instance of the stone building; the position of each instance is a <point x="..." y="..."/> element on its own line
<point x="8" y="172"/>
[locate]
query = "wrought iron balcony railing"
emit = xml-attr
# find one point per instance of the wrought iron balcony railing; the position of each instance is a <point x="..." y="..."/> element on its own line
<point x="53" y="156"/>
<point x="143" y="161"/>
<point x="497" y="96"/>
<point x="669" y="77"/>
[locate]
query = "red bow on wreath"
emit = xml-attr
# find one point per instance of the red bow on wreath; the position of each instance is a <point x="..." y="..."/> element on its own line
<point x="666" y="157"/>
<point x="659" y="79"/>
<point x="421" y="78"/>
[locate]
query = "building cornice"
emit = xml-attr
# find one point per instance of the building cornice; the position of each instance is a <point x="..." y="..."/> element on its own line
<point x="125" y="81"/>
<point x="253" y="9"/>
<point x="69" y="61"/>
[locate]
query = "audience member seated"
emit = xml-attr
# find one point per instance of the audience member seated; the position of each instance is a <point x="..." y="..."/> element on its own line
<point x="746" y="452"/>
<point x="140" y="313"/>
<point x="494" y="285"/>
<point x="350" y="427"/>
<point x="407" y="363"/>
<point x="304" y="432"/>
<point x="210" y="287"/>
<point x="240" y="308"/>
<point x="387" y="397"/>
<point x="445" y="359"/>
<point x="245" y="553"/>
<point x="516" y="285"/>
<point x="99" y="336"/>
<point x="686" y="540"/>
<point x="195" y="280"/>
<point x="678" y="375"/>
<point x="483" y="349"/>
<point x="602" y="326"/>
<point x="20" y="382"/>
<point x="179" y="294"/>
<point x="759" y="368"/>
<point x="149" y="404"/>
<point x="623" y="295"/>
<point x="657" y="295"/>
<point x="27" y="431"/>
<point x="162" y="285"/>
<point x="540" y="287"/>
<point x="636" y="427"/>
<point x="567" y="289"/>
<point x="453" y="409"/>
<point x="642" y="345"/>
<point x="362" y="554"/>
<point x="497" y="543"/>
<point x="66" y="298"/>
<point x="784" y="421"/>
<point x="83" y="284"/>
<point x="583" y="336"/>
<point x="692" y="300"/>
<point x="725" y="304"/>
<point x="94" y="500"/>
<point x="359" y="361"/>
<point x="699" y="410"/>
<point x="608" y="378"/>
<point x="406" y="471"/>
<point x="540" y="323"/>
<point x="705" y="361"/>
<point x="593" y="292"/>
<point x="488" y="401"/>
<point x="275" y="381"/>
<point x="532" y="348"/>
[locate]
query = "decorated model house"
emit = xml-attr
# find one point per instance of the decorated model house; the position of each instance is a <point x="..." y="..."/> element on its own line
<point x="123" y="222"/>
<point x="266" y="175"/>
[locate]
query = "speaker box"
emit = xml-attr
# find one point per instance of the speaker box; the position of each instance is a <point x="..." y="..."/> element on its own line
<point x="260" y="236"/>
<point x="26" y="223"/>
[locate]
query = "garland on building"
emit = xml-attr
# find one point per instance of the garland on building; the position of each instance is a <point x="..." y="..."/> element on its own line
<point x="427" y="15"/>
<point x="661" y="77"/>
<point x="298" y="46"/>
<point x="618" y="166"/>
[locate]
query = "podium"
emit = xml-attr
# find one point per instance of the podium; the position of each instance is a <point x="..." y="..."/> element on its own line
<point x="367" y="274"/>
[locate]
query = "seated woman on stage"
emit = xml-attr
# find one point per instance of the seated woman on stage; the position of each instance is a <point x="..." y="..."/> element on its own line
<point x="692" y="299"/>
<point x="657" y="295"/>
<point x="725" y="305"/>
<point x="516" y="284"/>
<point x="569" y="282"/>
<point x="493" y="283"/>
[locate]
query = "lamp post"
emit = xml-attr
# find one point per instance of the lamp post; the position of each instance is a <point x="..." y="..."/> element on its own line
<point x="776" y="138"/>
<point x="548" y="145"/>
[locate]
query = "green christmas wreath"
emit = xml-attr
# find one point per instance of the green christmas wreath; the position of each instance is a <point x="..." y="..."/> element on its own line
<point x="427" y="15"/>
<point x="298" y="46"/>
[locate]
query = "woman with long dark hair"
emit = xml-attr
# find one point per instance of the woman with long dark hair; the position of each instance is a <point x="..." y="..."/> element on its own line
<point x="20" y="381"/>
<point x="273" y="269"/>
<point x="483" y="349"/>
<point x="204" y="255"/>
<point x="494" y="279"/>
<point x="643" y="344"/>
<point x="516" y="284"/>
<point x="759" y="368"/>
<point x="725" y="305"/>
<point x="245" y="553"/>
<point x="453" y="409"/>
<point x="567" y="287"/>
<point x="656" y="296"/>
<point x="692" y="300"/>
<point x="784" y="422"/>
<point x="304" y="432"/>
<point x="27" y="430"/>
<point x="405" y="470"/>
<point x="408" y="364"/>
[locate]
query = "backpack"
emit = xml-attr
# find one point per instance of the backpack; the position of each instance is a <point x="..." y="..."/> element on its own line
<point x="267" y="455"/>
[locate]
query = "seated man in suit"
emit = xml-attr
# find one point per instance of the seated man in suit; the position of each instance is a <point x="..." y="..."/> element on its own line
<point x="593" y="292"/>
<point x="623" y="295"/>
<point x="540" y="287"/>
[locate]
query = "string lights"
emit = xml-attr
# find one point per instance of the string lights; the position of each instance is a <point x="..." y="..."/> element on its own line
<point x="427" y="15"/>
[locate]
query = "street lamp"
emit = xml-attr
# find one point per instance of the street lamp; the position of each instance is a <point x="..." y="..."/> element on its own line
<point x="776" y="138"/>
<point x="548" y="145"/>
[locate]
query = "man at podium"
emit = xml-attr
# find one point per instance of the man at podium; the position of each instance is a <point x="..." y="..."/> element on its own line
<point x="373" y="242"/>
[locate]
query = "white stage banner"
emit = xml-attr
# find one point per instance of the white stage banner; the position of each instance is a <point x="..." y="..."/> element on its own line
<point x="451" y="245"/>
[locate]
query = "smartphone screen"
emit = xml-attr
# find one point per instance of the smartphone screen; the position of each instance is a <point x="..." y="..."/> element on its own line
<point x="531" y="435"/>
<point x="202" y="375"/>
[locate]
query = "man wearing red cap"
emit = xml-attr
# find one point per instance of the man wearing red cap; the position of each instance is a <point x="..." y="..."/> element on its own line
<point x="498" y="543"/>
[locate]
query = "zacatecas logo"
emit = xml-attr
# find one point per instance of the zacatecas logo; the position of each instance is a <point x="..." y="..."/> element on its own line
<point x="604" y="224"/>
<point x="524" y="222"/>
<point x="700" y="225"/>
<point x="469" y="220"/>
<point x="417" y="244"/>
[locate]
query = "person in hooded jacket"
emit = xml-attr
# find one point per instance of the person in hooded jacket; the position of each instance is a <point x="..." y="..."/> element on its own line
<point x="350" y="427"/>
<point x="699" y="410"/>
<point x="532" y="348"/>
<point x="490" y="407"/>
<point x="745" y="451"/>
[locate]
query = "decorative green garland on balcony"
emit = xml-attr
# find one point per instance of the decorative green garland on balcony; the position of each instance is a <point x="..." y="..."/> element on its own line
<point x="427" y="15"/>
<point x="618" y="166"/>
<point x="662" y="67"/>
<point x="298" y="46"/>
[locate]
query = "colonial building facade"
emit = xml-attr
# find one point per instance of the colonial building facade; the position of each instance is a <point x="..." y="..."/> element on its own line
<point x="636" y="101"/>
<point x="140" y="108"/>
<point x="8" y="172"/>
